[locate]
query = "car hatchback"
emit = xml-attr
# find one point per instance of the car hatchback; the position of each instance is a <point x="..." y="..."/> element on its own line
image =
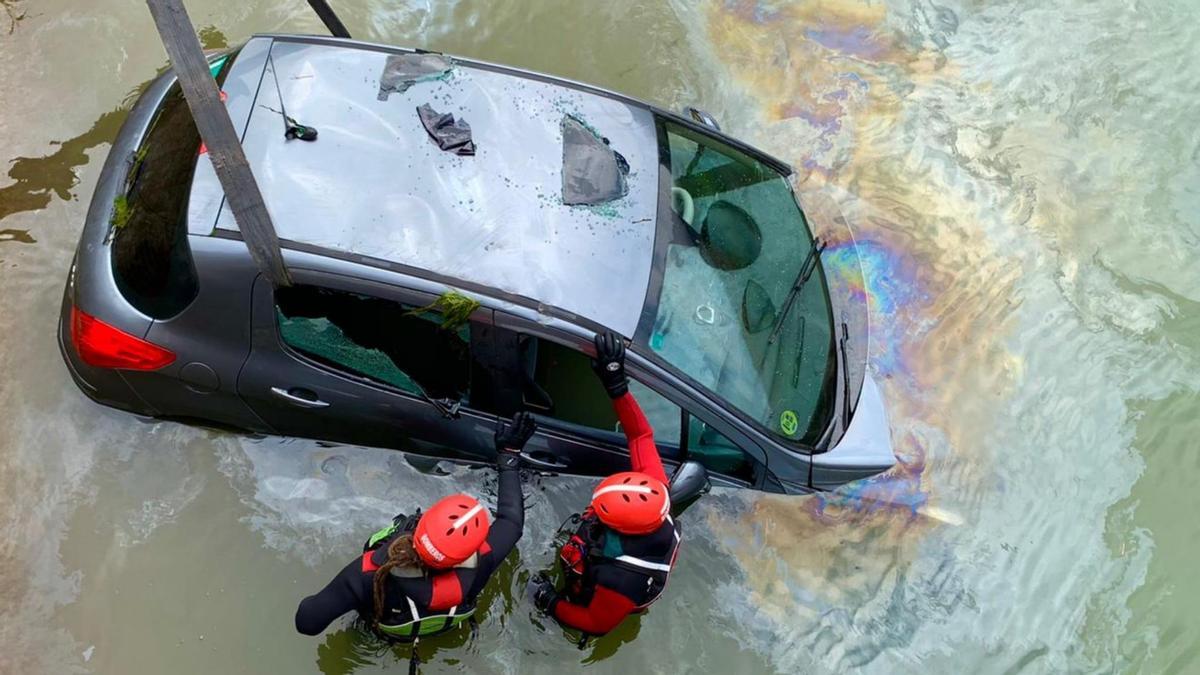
<point x="439" y="283"/>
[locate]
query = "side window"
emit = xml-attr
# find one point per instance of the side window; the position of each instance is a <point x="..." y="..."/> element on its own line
<point x="560" y="384"/>
<point x="663" y="415"/>
<point x="717" y="453"/>
<point x="403" y="346"/>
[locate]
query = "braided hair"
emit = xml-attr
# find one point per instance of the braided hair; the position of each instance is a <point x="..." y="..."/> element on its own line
<point x="400" y="553"/>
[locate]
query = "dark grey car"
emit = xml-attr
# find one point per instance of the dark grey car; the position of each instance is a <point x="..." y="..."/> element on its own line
<point x="435" y="290"/>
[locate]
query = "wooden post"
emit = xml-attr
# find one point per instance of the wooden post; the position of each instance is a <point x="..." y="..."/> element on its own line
<point x="216" y="129"/>
<point x="329" y="18"/>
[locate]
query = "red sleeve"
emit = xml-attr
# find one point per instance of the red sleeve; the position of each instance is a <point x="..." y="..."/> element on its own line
<point x="643" y="454"/>
<point x="607" y="609"/>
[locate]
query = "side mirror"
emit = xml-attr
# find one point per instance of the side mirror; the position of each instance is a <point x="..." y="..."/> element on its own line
<point x="689" y="483"/>
<point x="702" y="117"/>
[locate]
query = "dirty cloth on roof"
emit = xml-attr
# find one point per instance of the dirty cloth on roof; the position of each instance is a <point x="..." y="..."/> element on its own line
<point x="592" y="172"/>
<point x="450" y="135"/>
<point x="402" y="71"/>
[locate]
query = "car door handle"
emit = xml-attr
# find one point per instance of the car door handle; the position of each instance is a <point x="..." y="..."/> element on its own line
<point x="298" y="400"/>
<point x="542" y="460"/>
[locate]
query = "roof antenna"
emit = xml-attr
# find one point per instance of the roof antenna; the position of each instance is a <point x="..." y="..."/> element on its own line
<point x="291" y="128"/>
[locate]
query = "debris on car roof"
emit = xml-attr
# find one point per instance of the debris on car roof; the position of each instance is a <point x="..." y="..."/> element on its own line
<point x="388" y="193"/>
<point x="592" y="172"/>
<point x="402" y="71"/>
<point x="450" y="135"/>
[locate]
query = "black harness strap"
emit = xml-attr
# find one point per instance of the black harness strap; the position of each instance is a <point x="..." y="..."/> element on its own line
<point x="414" y="660"/>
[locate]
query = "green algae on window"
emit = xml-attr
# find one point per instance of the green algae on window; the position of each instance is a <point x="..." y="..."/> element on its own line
<point x="122" y="210"/>
<point x="454" y="308"/>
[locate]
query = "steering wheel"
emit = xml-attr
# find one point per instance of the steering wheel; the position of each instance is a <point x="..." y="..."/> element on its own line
<point x="681" y="202"/>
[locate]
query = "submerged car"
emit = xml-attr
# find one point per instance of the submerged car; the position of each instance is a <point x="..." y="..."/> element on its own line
<point x="456" y="232"/>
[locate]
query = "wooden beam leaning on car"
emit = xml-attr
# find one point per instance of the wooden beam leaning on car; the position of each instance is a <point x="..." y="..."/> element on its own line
<point x="217" y="132"/>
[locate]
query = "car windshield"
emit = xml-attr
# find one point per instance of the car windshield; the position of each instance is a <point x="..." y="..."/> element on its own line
<point x="727" y="316"/>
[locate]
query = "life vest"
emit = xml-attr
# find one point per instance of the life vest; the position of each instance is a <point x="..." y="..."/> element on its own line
<point x="447" y="609"/>
<point x="594" y="546"/>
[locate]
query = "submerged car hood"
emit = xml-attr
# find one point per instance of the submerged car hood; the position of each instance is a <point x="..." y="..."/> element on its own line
<point x="374" y="183"/>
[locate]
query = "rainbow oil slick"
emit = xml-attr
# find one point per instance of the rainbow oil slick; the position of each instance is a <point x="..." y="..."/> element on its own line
<point x="1008" y="228"/>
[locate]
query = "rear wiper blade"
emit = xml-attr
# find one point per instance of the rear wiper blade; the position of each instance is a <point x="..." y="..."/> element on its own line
<point x="806" y="270"/>
<point x="291" y="128"/>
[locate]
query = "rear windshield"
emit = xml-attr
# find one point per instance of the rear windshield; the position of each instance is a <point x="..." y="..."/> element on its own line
<point x="152" y="263"/>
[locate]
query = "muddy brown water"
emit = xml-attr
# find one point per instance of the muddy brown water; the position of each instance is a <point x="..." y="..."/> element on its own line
<point x="1025" y="181"/>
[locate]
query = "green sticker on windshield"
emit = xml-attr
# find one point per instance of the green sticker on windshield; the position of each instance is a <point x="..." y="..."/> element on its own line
<point x="789" y="422"/>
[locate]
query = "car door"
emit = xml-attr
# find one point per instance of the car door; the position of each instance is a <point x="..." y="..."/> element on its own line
<point x="367" y="363"/>
<point x="580" y="427"/>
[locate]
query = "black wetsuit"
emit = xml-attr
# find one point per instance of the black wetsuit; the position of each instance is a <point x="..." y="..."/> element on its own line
<point x="352" y="588"/>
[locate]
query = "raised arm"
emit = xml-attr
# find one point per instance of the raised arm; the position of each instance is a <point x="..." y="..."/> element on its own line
<point x="510" y="502"/>
<point x="643" y="453"/>
<point x="609" y="365"/>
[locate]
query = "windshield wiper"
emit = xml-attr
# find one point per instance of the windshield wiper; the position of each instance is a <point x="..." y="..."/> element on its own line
<point x="845" y="377"/>
<point x="806" y="270"/>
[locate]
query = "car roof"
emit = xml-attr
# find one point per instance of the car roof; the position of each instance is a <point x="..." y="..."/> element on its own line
<point x="375" y="185"/>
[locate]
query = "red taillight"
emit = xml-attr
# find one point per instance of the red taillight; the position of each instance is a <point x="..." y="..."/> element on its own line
<point x="103" y="346"/>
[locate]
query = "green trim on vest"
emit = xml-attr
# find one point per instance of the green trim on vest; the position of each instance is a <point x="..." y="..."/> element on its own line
<point x="427" y="625"/>
<point x="381" y="535"/>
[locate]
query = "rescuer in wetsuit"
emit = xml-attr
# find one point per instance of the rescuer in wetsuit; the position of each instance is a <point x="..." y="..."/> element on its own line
<point x="421" y="575"/>
<point x="617" y="561"/>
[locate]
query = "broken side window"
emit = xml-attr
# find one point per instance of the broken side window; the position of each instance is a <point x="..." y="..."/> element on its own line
<point x="398" y="345"/>
<point x="402" y="71"/>
<point x="592" y="172"/>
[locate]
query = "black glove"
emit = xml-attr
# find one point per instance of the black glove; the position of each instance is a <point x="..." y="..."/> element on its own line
<point x="511" y="437"/>
<point x="609" y="364"/>
<point x="541" y="589"/>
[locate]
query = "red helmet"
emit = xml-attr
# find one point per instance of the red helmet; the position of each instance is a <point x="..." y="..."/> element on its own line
<point x="631" y="502"/>
<point x="449" y="532"/>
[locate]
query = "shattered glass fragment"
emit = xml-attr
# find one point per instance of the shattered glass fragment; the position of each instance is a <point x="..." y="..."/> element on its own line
<point x="402" y="71"/>
<point x="592" y="171"/>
